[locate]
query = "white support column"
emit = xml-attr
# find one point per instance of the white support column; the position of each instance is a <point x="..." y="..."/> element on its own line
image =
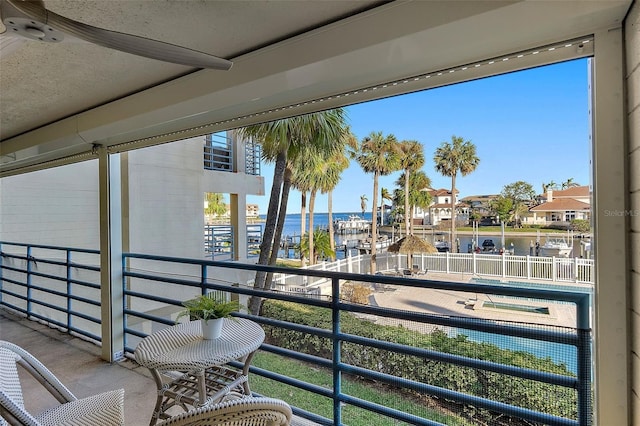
<point x="110" y="255"/>
<point x="239" y="201"/>
<point x="239" y="223"/>
<point x="610" y="232"/>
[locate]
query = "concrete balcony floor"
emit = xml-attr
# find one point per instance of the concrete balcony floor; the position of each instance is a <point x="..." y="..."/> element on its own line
<point x="78" y="365"/>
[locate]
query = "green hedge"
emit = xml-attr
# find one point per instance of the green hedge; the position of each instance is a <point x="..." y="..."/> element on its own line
<point x="555" y="400"/>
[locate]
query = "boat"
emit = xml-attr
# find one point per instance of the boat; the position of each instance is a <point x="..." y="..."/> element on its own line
<point x="440" y="243"/>
<point x="364" y="246"/>
<point x="353" y="224"/>
<point x="557" y="246"/>
<point x="488" y="245"/>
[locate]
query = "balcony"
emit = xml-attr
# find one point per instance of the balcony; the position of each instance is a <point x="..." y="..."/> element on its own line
<point x="218" y="154"/>
<point x="414" y="358"/>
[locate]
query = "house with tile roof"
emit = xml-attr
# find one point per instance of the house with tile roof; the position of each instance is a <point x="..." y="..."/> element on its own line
<point x="440" y="208"/>
<point x="561" y="206"/>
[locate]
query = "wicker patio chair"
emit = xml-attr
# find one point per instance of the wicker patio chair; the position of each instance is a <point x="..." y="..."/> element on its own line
<point x="105" y="409"/>
<point x="247" y="411"/>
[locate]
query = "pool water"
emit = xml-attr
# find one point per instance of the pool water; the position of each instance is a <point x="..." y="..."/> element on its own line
<point x="516" y="307"/>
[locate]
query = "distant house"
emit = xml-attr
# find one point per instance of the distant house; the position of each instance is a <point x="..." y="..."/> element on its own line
<point x="253" y="210"/>
<point x="440" y="208"/>
<point x="561" y="206"/>
<point x="480" y="204"/>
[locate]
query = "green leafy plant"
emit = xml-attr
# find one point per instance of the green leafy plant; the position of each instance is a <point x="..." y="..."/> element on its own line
<point x="208" y="307"/>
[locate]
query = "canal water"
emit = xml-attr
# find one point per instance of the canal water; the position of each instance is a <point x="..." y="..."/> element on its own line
<point x="518" y="245"/>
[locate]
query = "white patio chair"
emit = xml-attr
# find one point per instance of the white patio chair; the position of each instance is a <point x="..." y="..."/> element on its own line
<point x="105" y="409"/>
<point x="247" y="411"/>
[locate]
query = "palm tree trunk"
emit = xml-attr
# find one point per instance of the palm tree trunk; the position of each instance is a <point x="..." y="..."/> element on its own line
<point x="332" y="241"/>
<point x="407" y="215"/>
<point x="282" y="214"/>
<point x="453" y="213"/>
<point x="303" y="214"/>
<point x="381" y="210"/>
<point x="312" y="206"/>
<point x="266" y="245"/>
<point x="303" y="225"/>
<point x="374" y="224"/>
<point x="411" y="208"/>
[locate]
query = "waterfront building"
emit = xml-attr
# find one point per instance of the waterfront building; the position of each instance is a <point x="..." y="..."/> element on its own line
<point x="162" y="191"/>
<point x="440" y="208"/>
<point x="560" y="207"/>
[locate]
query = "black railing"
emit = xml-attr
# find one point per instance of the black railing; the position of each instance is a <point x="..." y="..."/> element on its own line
<point x="59" y="285"/>
<point x="194" y="280"/>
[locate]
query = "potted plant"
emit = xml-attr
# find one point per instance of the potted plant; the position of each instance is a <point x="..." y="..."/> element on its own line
<point x="210" y="310"/>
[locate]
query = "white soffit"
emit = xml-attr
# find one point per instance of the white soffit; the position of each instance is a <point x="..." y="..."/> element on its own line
<point x="309" y="73"/>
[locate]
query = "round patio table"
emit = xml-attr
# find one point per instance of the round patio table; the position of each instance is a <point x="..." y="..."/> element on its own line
<point x="205" y="377"/>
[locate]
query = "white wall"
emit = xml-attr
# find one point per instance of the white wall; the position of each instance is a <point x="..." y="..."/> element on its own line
<point x="632" y="39"/>
<point x="52" y="207"/>
<point x="165" y="199"/>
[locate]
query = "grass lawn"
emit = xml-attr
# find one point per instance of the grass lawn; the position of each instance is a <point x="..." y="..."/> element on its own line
<point x="322" y="406"/>
<point x="290" y="263"/>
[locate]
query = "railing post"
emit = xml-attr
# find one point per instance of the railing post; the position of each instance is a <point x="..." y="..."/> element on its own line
<point x="68" y="289"/>
<point x="575" y="269"/>
<point x="203" y="279"/>
<point x="554" y="269"/>
<point x="584" y="362"/>
<point x="28" y="281"/>
<point x="447" y="258"/>
<point x="504" y="264"/>
<point x="337" y="375"/>
<point x="475" y="260"/>
<point x="528" y="267"/>
<point x="1" y="265"/>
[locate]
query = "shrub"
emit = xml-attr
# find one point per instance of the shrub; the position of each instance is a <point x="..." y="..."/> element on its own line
<point x="580" y="225"/>
<point x="555" y="400"/>
<point x="356" y="293"/>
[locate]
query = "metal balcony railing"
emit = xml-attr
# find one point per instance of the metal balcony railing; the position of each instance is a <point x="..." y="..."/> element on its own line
<point x="403" y="354"/>
<point x="253" y="156"/>
<point x="58" y="285"/>
<point x="218" y="153"/>
<point x="219" y="241"/>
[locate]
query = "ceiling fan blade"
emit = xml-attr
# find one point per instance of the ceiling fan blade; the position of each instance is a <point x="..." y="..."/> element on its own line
<point x="9" y="44"/>
<point x="129" y="43"/>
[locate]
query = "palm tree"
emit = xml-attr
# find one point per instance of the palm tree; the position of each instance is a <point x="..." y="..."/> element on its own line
<point x="320" y="171"/>
<point x="301" y="181"/>
<point x="336" y="166"/>
<point x="450" y="158"/>
<point x="282" y="142"/>
<point x="569" y="183"/>
<point x="377" y="154"/>
<point x="418" y="196"/>
<point x="321" y="242"/>
<point x="411" y="159"/>
<point x="363" y="203"/>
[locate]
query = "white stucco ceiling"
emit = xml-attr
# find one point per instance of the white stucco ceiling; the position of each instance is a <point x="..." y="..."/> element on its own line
<point x="58" y="100"/>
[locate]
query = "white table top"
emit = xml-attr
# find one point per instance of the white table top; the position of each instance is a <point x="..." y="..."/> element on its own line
<point x="182" y="348"/>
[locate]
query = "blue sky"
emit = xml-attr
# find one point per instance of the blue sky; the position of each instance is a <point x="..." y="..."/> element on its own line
<point x="530" y="125"/>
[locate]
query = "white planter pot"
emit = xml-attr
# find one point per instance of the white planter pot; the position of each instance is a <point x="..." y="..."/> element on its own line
<point x="211" y="329"/>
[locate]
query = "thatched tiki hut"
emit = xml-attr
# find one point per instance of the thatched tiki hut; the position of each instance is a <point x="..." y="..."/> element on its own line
<point x="409" y="245"/>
